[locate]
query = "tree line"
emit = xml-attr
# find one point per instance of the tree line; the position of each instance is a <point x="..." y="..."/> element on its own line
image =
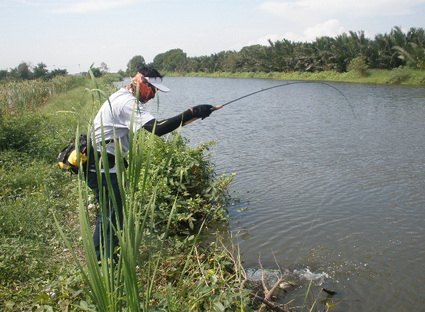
<point x="345" y="52"/>
<point x="352" y="50"/>
<point x="24" y="72"/>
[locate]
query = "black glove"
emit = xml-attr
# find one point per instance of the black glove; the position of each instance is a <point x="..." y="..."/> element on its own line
<point x="202" y="111"/>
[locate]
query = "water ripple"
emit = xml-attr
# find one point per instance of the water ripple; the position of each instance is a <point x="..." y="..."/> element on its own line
<point x="324" y="190"/>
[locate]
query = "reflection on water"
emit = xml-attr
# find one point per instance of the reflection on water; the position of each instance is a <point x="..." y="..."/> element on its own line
<point x="324" y="191"/>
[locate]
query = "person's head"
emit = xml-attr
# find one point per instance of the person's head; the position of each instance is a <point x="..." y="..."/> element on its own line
<point x="149" y="71"/>
<point x="146" y="83"/>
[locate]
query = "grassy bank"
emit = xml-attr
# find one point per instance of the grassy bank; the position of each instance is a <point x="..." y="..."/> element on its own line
<point x="32" y="257"/>
<point x="401" y="76"/>
<point x="171" y="272"/>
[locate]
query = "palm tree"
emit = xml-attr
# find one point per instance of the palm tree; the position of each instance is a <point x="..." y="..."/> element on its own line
<point x="413" y="54"/>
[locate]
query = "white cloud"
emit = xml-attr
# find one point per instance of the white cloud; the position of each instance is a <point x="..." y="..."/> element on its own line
<point x="326" y="9"/>
<point x="37" y="3"/>
<point x="331" y="28"/>
<point x="87" y="6"/>
<point x="265" y="39"/>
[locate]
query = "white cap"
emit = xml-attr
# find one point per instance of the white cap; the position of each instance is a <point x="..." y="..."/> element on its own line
<point x="157" y="83"/>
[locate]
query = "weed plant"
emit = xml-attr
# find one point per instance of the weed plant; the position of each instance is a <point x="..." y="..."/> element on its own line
<point x="168" y="191"/>
<point x="162" y="264"/>
<point x="171" y="195"/>
<point x="185" y="180"/>
<point x="17" y="96"/>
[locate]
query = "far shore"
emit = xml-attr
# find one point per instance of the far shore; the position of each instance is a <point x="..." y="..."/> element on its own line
<point x="398" y="76"/>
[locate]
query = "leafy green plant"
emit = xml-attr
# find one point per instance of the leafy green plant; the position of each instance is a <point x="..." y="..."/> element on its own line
<point x="183" y="178"/>
<point x="358" y="64"/>
<point x="414" y="54"/>
<point x="398" y="75"/>
<point x="152" y="204"/>
<point x="166" y="190"/>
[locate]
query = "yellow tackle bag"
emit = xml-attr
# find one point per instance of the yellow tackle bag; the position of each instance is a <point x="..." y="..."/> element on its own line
<point x="75" y="152"/>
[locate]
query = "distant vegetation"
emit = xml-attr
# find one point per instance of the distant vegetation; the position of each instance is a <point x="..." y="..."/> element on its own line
<point x="24" y="72"/>
<point x="349" y="52"/>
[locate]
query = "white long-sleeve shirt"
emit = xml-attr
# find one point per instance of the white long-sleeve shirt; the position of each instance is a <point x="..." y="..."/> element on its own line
<point x="115" y="116"/>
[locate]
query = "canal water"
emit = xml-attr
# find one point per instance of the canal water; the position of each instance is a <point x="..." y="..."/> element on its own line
<point x="320" y="189"/>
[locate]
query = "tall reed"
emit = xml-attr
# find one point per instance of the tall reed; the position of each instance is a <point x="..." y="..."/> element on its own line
<point x="16" y="96"/>
<point x="156" y="267"/>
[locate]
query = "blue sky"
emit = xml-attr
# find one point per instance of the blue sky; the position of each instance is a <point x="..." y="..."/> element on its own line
<point x="73" y="34"/>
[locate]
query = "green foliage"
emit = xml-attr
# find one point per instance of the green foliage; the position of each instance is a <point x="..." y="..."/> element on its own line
<point x="398" y="76"/>
<point x="24" y="72"/>
<point x="134" y="64"/>
<point x="40" y="71"/>
<point x="31" y="253"/>
<point x="207" y="279"/>
<point x="165" y="272"/>
<point x="172" y="60"/>
<point x="26" y="132"/>
<point x="28" y="183"/>
<point x="374" y="76"/>
<point x="385" y="51"/>
<point x="32" y="94"/>
<point x="414" y="55"/>
<point x="184" y="181"/>
<point x="104" y="68"/>
<point x="29" y="244"/>
<point x="358" y="64"/>
<point x="96" y="72"/>
<point x="58" y="72"/>
<point x="21" y="261"/>
<point x="3" y="74"/>
<point x="168" y="187"/>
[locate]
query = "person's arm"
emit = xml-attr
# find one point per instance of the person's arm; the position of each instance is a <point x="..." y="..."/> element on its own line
<point x="168" y="125"/>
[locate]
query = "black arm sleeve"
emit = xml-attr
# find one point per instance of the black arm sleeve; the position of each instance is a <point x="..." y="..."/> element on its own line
<point x="167" y="125"/>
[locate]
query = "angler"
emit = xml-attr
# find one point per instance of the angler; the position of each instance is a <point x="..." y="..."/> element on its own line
<point x="122" y="111"/>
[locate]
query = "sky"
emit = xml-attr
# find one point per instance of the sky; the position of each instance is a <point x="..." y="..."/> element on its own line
<point x="74" y="34"/>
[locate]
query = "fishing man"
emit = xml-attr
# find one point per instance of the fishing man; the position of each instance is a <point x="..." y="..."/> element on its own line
<point x="125" y="109"/>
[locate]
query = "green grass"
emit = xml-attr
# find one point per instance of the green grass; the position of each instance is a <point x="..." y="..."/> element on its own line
<point x="403" y="76"/>
<point x="32" y="94"/>
<point x="170" y="198"/>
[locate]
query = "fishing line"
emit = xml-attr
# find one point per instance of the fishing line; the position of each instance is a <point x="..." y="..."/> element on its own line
<point x="334" y="170"/>
<point x="325" y="193"/>
<point x="336" y="164"/>
<point x="292" y="83"/>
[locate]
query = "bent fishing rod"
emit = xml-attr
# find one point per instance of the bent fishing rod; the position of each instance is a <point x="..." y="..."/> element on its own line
<point x="284" y="85"/>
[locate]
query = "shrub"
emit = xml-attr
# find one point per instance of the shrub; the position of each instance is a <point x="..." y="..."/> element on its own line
<point x="184" y="177"/>
<point x="358" y="64"/>
<point x="398" y="75"/>
<point x="35" y="134"/>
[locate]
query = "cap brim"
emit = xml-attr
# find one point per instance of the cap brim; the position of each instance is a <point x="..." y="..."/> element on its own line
<point x="157" y="83"/>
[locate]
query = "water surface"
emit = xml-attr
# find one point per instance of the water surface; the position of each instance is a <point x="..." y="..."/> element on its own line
<point x="322" y="190"/>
